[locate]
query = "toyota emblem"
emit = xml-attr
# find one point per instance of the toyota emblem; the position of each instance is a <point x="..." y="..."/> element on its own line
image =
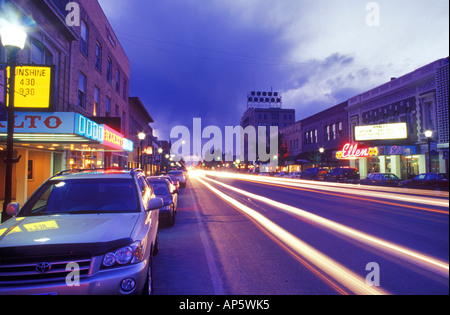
<point x="44" y="267"/>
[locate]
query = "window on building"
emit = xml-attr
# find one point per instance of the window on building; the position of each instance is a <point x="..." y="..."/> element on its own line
<point x="118" y="81"/>
<point x="124" y="117"/>
<point x="327" y="133"/>
<point x="82" y="84"/>
<point x="124" y="93"/>
<point x="333" y="131"/>
<point x="109" y="71"/>
<point x="96" y="102"/>
<point x="39" y="54"/>
<point x="108" y="107"/>
<point x="84" y="40"/>
<point x="98" y="57"/>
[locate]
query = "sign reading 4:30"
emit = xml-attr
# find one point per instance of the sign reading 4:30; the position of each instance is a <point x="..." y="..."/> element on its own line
<point x="33" y="86"/>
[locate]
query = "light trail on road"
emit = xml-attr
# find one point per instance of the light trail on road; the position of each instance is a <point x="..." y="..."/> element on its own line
<point x="419" y="259"/>
<point x="356" y="191"/>
<point x="322" y="263"/>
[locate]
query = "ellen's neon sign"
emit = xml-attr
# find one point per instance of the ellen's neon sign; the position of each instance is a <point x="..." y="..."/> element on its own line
<point x="351" y="151"/>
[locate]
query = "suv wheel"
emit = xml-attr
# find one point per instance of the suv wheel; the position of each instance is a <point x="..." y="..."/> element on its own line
<point x="148" y="288"/>
<point x="171" y="220"/>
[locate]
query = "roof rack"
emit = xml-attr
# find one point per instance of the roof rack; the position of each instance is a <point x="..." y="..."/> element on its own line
<point x="131" y="170"/>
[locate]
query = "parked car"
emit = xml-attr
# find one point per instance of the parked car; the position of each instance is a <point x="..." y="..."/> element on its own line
<point x="381" y="179"/>
<point x="161" y="188"/>
<point x="316" y="173"/>
<point x="427" y="181"/>
<point x="343" y="175"/>
<point x="82" y="232"/>
<point x="174" y="184"/>
<point x="180" y="176"/>
<point x="294" y="175"/>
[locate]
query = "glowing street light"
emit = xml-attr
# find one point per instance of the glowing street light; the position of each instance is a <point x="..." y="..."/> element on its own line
<point x="141" y="137"/>
<point x="429" y="135"/>
<point x="13" y="37"/>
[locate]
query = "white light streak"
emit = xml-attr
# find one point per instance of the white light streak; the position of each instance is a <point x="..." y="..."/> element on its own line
<point x="429" y="263"/>
<point x="333" y="269"/>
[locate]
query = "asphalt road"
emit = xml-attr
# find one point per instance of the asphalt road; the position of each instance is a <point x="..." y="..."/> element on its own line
<point x="267" y="236"/>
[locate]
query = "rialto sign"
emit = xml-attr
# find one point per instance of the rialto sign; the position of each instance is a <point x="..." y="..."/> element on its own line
<point x="44" y="124"/>
<point x="352" y="151"/>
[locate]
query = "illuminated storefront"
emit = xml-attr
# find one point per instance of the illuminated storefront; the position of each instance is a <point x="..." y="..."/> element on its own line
<point x="51" y="142"/>
<point x="404" y="161"/>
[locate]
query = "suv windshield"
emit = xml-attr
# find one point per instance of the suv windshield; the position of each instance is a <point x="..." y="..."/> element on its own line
<point x="83" y="196"/>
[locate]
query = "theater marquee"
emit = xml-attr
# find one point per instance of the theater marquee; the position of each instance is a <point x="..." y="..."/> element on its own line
<point x="34" y="88"/>
<point x="381" y="132"/>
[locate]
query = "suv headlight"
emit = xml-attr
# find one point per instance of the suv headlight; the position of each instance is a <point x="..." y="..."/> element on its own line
<point x="131" y="254"/>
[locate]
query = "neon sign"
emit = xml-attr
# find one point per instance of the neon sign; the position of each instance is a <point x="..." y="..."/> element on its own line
<point x="352" y="151"/>
<point x="113" y="139"/>
<point x="89" y="129"/>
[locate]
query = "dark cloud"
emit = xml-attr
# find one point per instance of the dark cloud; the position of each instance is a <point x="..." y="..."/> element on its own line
<point x="200" y="58"/>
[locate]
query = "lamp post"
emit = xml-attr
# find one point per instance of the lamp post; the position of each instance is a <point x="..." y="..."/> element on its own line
<point x="141" y="137"/>
<point x="13" y="38"/>
<point x="160" y="151"/>
<point x="429" y="135"/>
<point x="321" y="150"/>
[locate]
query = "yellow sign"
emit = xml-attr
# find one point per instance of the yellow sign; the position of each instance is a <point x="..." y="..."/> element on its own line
<point x="33" y="87"/>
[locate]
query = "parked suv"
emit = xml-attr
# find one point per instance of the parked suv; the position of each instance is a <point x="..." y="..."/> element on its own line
<point x="82" y="232"/>
<point x="343" y="175"/>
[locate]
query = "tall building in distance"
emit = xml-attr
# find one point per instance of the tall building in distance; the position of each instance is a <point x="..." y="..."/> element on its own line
<point x="265" y="109"/>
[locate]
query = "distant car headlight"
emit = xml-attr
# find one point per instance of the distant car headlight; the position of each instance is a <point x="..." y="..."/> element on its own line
<point x="131" y="254"/>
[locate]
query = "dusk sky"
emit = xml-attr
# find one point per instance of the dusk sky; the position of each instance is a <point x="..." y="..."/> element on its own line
<point x="200" y="58"/>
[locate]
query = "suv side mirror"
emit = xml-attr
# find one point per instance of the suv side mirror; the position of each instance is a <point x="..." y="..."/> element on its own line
<point x="12" y="209"/>
<point x="154" y="204"/>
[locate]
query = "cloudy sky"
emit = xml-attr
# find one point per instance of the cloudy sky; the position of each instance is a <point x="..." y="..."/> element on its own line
<point x="200" y="58"/>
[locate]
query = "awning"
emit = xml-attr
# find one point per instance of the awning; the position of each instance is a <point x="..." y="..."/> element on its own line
<point x="65" y="128"/>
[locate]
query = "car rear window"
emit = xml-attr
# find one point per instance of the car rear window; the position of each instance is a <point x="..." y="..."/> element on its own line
<point x="83" y="196"/>
<point x="160" y="188"/>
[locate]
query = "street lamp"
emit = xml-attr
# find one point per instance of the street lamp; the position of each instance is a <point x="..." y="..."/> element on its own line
<point x="429" y="135"/>
<point x="321" y="150"/>
<point x="13" y="37"/>
<point x="141" y="137"/>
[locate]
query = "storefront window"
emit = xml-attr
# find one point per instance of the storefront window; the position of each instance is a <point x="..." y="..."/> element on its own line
<point x="410" y="166"/>
<point x="373" y="165"/>
<point x="388" y="168"/>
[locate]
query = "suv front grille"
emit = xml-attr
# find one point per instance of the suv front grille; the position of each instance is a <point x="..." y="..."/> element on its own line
<point x="24" y="270"/>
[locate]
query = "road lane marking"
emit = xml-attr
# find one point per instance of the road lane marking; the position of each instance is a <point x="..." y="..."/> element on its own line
<point x="214" y="274"/>
<point x="429" y="263"/>
<point x="332" y="268"/>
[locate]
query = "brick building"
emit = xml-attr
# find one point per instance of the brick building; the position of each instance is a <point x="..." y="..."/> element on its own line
<point x="90" y="95"/>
